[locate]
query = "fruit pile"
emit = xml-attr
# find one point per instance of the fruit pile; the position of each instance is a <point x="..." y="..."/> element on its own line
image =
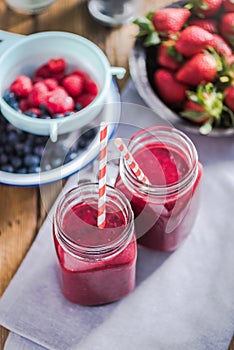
<point x="190" y="60"/>
<point x="22" y="152"/>
<point x="51" y="92"/>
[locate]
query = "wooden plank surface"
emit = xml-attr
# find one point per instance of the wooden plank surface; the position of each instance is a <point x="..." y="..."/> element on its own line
<point x="21" y="209"/>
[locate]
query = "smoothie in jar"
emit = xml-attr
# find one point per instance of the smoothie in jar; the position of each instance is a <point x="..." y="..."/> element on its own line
<point x="166" y="208"/>
<point x="97" y="266"/>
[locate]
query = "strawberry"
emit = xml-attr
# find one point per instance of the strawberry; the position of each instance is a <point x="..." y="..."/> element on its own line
<point x="202" y="67"/>
<point x="21" y="86"/>
<point x="58" y="101"/>
<point x="229" y="97"/>
<point x="230" y="60"/>
<point x="167" y="56"/>
<point x="228" y="5"/>
<point x="195" y="112"/>
<point x="167" y="21"/>
<point x="221" y="46"/>
<point x="73" y="84"/>
<point x="84" y="99"/>
<point x="204" y="107"/>
<point x="38" y="94"/>
<point x="193" y="40"/>
<point x="161" y="24"/>
<point x="205" y="23"/>
<point x="205" y="8"/>
<point x="227" y="27"/>
<point x="169" y="89"/>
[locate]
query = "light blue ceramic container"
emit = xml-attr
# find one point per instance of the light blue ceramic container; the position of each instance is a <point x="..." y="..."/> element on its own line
<point x="28" y="53"/>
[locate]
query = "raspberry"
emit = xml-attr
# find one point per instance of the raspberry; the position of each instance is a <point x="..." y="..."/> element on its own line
<point x="42" y="72"/>
<point x="81" y="73"/>
<point x="21" y="86"/>
<point x="50" y="83"/>
<point x="38" y="94"/>
<point x="90" y="86"/>
<point x="57" y="65"/>
<point x="73" y="84"/>
<point x="58" y="101"/>
<point x="24" y="105"/>
<point x="85" y="99"/>
<point x="35" y="111"/>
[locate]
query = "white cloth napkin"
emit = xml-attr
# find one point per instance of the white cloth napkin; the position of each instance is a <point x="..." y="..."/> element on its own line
<point x="183" y="300"/>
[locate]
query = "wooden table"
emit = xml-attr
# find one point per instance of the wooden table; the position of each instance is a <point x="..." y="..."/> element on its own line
<point x="21" y="210"/>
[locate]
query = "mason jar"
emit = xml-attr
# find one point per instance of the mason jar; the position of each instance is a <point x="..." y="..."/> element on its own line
<point x="96" y="266"/>
<point x="166" y="207"/>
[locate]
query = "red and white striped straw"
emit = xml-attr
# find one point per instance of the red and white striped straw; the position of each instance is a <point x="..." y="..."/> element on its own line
<point x="131" y="161"/>
<point x="101" y="220"/>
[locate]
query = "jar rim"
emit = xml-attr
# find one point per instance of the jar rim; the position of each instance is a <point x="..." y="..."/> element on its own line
<point x="166" y="189"/>
<point x="108" y="249"/>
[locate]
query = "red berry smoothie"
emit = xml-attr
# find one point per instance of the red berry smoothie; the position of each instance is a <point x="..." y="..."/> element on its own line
<point x="164" y="211"/>
<point x="92" y="273"/>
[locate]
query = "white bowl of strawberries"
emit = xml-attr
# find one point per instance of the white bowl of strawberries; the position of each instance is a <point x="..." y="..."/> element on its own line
<point x="53" y="83"/>
<point x="188" y="68"/>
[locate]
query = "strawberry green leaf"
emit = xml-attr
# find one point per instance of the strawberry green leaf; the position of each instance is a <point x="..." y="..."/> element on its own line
<point x="206" y="128"/>
<point x="150" y="15"/>
<point x="196" y="116"/>
<point x="204" y="6"/>
<point x="171" y="50"/>
<point x="145" y="25"/>
<point x="152" y="39"/>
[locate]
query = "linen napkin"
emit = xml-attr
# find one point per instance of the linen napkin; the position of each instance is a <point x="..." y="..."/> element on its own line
<point x="183" y="300"/>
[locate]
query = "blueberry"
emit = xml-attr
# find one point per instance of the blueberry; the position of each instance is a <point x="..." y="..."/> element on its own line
<point x="58" y="115"/>
<point x="30" y="114"/>
<point x="15" y="106"/>
<point x="3" y="139"/>
<point x="34" y="169"/>
<point x="3" y="159"/>
<point x="89" y="134"/>
<point x="46" y="167"/>
<point x="82" y="143"/>
<point x="38" y="150"/>
<point x="9" y="97"/>
<point x="67" y="114"/>
<point x="31" y="160"/>
<point x="45" y="116"/>
<point x="56" y="162"/>
<point x="16" y="161"/>
<point x="78" y="107"/>
<point x="22" y="171"/>
<point x="43" y="108"/>
<point x="8" y="168"/>
<point x="9" y="149"/>
<point x="70" y="156"/>
<point x="13" y="137"/>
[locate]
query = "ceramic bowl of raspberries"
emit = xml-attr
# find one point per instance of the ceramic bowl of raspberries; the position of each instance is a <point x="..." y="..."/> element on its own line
<point x="53" y="83"/>
<point x="185" y="57"/>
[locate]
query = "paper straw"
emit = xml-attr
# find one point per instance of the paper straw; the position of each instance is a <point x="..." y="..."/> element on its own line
<point x="131" y="161"/>
<point x="101" y="220"/>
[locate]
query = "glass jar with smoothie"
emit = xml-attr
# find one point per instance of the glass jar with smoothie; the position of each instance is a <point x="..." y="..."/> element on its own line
<point x="165" y="209"/>
<point x="97" y="266"/>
